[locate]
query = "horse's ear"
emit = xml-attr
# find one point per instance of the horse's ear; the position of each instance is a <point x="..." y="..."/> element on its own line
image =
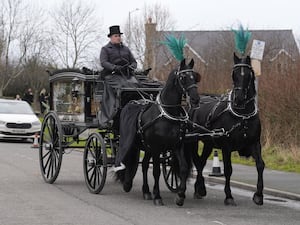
<point x="182" y="64"/>
<point x="236" y="59"/>
<point x="197" y="77"/>
<point x="191" y="64"/>
<point x="248" y="60"/>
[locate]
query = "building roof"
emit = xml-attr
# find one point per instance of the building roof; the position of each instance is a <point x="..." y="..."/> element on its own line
<point x="209" y="46"/>
<point x="282" y="51"/>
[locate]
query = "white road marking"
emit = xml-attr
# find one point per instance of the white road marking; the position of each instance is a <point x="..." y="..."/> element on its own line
<point x="218" y="222"/>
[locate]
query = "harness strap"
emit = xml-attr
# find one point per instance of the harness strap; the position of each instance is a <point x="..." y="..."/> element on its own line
<point x="242" y="65"/>
<point x="142" y="128"/>
<point x="163" y="112"/>
<point x="192" y="86"/>
<point x="183" y="71"/>
<point x="210" y="118"/>
<point x="242" y="116"/>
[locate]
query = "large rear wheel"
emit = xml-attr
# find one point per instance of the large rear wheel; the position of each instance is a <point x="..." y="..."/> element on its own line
<point x="169" y="169"/>
<point x="50" y="147"/>
<point x="95" y="163"/>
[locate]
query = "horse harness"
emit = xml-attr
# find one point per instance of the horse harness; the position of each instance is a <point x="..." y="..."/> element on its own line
<point x="227" y="98"/>
<point x="183" y="119"/>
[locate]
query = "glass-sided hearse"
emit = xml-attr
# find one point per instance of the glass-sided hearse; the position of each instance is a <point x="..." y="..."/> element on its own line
<point x="75" y="101"/>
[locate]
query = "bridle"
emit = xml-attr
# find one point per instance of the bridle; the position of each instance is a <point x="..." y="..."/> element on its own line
<point x="231" y="95"/>
<point x="246" y="89"/>
<point x="181" y="74"/>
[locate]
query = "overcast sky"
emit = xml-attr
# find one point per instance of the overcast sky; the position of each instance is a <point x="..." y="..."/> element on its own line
<point x="204" y="14"/>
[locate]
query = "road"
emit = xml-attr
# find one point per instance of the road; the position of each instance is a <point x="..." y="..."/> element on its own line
<point x="26" y="199"/>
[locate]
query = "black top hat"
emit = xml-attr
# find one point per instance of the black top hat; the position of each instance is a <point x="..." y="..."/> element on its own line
<point x="114" y="30"/>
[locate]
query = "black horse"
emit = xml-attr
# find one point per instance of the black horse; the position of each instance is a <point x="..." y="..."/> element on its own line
<point x="237" y="113"/>
<point x="160" y="126"/>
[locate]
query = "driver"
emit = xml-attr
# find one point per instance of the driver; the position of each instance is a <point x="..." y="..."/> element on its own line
<point x="118" y="65"/>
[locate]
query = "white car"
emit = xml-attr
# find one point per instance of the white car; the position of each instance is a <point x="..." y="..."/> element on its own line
<point x="17" y="120"/>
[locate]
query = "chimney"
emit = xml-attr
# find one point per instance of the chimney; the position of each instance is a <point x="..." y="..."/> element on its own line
<point x="151" y="37"/>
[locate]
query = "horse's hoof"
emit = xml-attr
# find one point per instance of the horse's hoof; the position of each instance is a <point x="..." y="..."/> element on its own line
<point x="258" y="199"/>
<point x="197" y="196"/>
<point x="147" y="196"/>
<point x="179" y="201"/>
<point x="127" y="187"/>
<point x="229" y="201"/>
<point x="158" y="202"/>
<point x="200" y="192"/>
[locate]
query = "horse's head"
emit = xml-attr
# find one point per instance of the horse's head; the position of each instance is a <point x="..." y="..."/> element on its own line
<point x="243" y="81"/>
<point x="187" y="81"/>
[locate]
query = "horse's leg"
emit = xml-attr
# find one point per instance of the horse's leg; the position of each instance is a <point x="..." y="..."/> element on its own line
<point x="156" y="174"/>
<point x="145" y="166"/>
<point x="200" y="162"/>
<point x="260" y="165"/>
<point x="184" y="166"/>
<point x="227" y="172"/>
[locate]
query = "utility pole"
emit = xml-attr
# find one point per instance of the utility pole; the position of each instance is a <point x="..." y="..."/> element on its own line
<point x="129" y="26"/>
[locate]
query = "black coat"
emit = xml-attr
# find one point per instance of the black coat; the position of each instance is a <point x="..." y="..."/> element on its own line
<point x="28" y="97"/>
<point x="112" y="55"/>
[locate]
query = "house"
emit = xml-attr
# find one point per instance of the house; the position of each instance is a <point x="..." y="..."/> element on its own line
<point x="213" y="53"/>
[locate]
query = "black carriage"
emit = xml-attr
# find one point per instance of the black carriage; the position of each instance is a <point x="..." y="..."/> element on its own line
<point x="75" y="100"/>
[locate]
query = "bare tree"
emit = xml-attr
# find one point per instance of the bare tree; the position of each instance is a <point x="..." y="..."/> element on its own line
<point x="10" y="21"/>
<point x="20" y="34"/>
<point x="159" y="15"/>
<point x="75" y="33"/>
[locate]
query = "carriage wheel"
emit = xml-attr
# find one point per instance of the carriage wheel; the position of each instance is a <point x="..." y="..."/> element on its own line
<point x="50" y="149"/>
<point x="95" y="163"/>
<point x="169" y="163"/>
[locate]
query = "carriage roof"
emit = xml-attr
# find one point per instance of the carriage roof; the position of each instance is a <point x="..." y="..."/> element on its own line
<point x="70" y="74"/>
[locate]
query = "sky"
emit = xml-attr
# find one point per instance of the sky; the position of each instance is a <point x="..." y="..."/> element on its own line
<point x="202" y="14"/>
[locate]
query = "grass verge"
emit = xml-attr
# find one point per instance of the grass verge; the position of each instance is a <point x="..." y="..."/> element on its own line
<point x="276" y="158"/>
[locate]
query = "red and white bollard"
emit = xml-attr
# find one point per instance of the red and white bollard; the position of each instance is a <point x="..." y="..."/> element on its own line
<point x="35" y="141"/>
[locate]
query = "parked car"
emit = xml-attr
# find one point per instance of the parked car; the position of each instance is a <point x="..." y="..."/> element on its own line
<point x="17" y="120"/>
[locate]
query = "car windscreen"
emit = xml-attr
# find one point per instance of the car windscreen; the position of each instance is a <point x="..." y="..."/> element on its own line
<point x="15" y="108"/>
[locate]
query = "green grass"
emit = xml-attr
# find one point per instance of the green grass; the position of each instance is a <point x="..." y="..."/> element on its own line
<point x="276" y="158"/>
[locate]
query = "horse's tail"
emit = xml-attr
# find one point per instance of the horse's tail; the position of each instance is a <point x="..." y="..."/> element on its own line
<point x="187" y="158"/>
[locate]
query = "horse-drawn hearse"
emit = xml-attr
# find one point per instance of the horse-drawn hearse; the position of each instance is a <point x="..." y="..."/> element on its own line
<point x="76" y="98"/>
<point x="162" y="128"/>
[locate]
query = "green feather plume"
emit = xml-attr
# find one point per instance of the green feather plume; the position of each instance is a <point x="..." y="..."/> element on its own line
<point x="175" y="45"/>
<point x="241" y="39"/>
